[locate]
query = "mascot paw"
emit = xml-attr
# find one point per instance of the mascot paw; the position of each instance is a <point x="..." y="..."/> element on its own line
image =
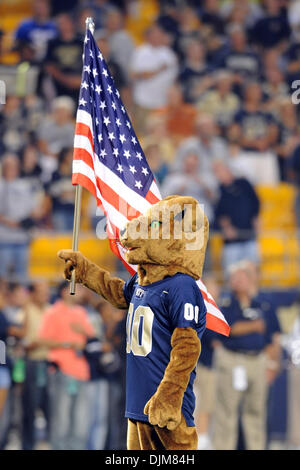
<point x="164" y="407"/>
<point x="74" y="260"/>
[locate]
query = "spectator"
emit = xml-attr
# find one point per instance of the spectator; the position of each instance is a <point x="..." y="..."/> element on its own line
<point x="236" y="215"/>
<point x="114" y="322"/>
<point x="256" y="132"/>
<point x="240" y="59"/>
<point x="188" y="26"/>
<point x="16" y="297"/>
<point x="156" y="162"/>
<point x="246" y="11"/>
<point x="12" y="126"/>
<point x="63" y="61"/>
<point x="62" y="193"/>
<point x="207" y="145"/>
<point x="7" y="329"/>
<point x="289" y="136"/>
<point x="194" y="74"/>
<point x="35" y="391"/>
<point x="274" y="88"/>
<point x="156" y="132"/>
<point x="291" y="342"/>
<point x="190" y="181"/>
<point x="97" y="353"/>
<point x="292" y="55"/>
<point x="179" y="116"/>
<point x="70" y="371"/>
<point x="272" y="30"/>
<point x="120" y="42"/>
<point x="20" y="209"/>
<point x="55" y="133"/>
<point x="273" y="328"/>
<point x="38" y="30"/>
<point x="1" y="43"/>
<point x="295" y="176"/>
<point x="220" y="102"/>
<point x="241" y="386"/>
<point x="210" y="15"/>
<point x="153" y="70"/>
<point x="31" y="169"/>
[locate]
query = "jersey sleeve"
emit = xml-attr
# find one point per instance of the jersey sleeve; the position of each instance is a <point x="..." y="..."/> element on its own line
<point x="129" y="287"/>
<point x="186" y="306"/>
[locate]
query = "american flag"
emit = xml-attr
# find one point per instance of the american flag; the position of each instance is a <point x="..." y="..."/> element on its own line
<point x="109" y="162"/>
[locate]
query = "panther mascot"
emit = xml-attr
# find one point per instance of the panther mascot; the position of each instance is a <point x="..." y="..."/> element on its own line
<point x="165" y="321"/>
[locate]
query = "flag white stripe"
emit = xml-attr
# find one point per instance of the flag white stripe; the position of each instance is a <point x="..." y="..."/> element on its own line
<point x="154" y="189"/>
<point x="83" y="142"/>
<point x="83" y="117"/>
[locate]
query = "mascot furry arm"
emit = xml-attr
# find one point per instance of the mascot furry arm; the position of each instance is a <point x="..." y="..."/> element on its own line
<point x="156" y="259"/>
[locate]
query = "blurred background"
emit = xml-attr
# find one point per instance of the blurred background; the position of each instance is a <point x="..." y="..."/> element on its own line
<point x="212" y="90"/>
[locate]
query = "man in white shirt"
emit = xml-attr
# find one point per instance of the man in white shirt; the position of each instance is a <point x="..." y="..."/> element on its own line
<point x="154" y="68"/>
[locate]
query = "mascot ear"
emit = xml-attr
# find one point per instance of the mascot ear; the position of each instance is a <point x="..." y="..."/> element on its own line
<point x="179" y="217"/>
<point x="191" y="217"/>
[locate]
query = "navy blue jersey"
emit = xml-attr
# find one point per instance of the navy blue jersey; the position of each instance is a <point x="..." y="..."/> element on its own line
<point x="154" y="312"/>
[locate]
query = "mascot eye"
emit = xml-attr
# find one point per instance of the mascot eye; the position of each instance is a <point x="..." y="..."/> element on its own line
<point x="155" y="224"/>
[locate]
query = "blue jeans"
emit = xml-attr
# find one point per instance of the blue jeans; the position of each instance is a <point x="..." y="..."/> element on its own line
<point x="5" y="379"/>
<point x="63" y="221"/>
<point x="34" y="396"/>
<point x="14" y="258"/>
<point x="98" y="397"/>
<point x="235" y="252"/>
<point x="69" y="412"/>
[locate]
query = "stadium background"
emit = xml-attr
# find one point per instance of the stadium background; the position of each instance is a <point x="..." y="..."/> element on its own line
<point x="26" y="69"/>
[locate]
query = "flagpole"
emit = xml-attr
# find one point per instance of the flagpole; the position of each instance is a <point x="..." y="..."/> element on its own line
<point x="90" y="25"/>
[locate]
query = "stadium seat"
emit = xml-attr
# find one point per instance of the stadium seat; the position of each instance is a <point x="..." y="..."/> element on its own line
<point x="145" y="11"/>
<point x="44" y="262"/>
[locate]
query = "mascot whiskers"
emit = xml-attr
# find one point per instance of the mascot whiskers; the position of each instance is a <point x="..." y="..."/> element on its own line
<point x="165" y="321"/>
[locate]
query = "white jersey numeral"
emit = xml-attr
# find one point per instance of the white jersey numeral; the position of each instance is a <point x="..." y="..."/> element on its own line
<point x="145" y="316"/>
<point x="191" y="312"/>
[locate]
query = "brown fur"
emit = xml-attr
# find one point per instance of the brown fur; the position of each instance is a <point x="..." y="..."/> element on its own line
<point x="143" y="436"/>
<point x="157" y="254"/>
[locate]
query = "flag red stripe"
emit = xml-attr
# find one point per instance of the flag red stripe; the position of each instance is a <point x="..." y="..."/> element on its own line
<point x="85" y="156"/>
<point x="150" y="197"/>
<point x="80" y="178"/>
<point x="216" y="324"/>
<point x="84" y="130"/>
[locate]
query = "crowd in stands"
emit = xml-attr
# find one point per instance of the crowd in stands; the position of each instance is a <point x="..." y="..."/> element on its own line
<point x="209" y="91"/>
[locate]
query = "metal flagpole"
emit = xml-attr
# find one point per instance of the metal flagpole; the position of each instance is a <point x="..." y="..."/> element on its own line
<point x="90" y="25"/>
